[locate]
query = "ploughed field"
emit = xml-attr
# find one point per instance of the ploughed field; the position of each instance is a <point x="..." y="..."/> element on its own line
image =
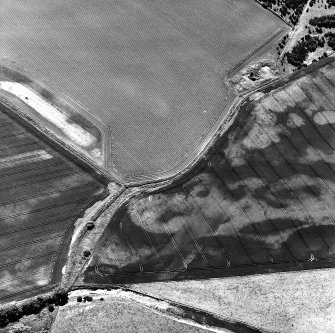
<point x="41" y="195"/>
<point x="262" y="201"/>
<point x="152" y="71"/>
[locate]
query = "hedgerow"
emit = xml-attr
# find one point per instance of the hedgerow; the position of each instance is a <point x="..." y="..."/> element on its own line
<point x="33" y="306"/>
<point x="291" y="8"/>
<point x="326" y="21"/>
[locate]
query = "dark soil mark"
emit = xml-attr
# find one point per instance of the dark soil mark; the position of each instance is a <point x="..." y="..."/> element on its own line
<point x="262" y="201"/>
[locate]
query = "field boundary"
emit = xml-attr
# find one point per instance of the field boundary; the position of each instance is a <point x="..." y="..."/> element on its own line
<point x="67" y="106"/>
<point x="257" y="53"/>
<point x="222" y="120"/>
<point x="205" y="319"/>
<point x="274" y="13"/>
<point x="291" y="265"/>
<point x="59" y="255"/>
<point x="59" y="145"/>
<point x="218" y="128"/>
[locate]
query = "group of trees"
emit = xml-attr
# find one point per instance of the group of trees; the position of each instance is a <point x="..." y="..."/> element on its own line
<point x="301" y="50"/>
<point x="290" y="8"/>
<point x="281" y="44"/>
<point x="326" y="5"/>
<point x="34" y="306"/>
<point x="86" y="298"/>
<point x="330" y="39"/>
<point x="327" y="21"/>
<point x="330" y="3"/>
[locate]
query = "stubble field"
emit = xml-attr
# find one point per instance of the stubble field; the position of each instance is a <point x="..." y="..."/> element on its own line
<point x="42" y="194"/>
<point x="151" y="70"/>
<point x="263" y="202"/>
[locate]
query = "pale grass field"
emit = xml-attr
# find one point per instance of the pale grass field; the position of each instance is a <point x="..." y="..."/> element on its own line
<point x="295" y="302"/>
<point x="118" y="312"/>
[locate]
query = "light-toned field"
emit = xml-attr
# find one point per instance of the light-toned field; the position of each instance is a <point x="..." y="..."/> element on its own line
<point x="292" y="302"/>
<point x="151" y="71"/>
<point x="115" y="314"/>
<point x="41" y="110"/>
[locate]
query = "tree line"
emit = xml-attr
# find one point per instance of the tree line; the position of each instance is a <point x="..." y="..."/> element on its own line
<point x="291" y="8"/>
<point x="301" y="50"/>
<point x="34" y="306"/>
<point x="327" y="21"/>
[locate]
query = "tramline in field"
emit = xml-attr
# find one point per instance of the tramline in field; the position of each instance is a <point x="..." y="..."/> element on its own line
<point x="42" y="194"/>
<point x="263" y="201"/>
<point x="150" y="73"/>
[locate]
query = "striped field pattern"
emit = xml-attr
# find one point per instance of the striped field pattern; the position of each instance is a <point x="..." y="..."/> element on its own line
<point x="151" y="71"/>
<point x="41" y="196"/>
<point x="263" y="201"/>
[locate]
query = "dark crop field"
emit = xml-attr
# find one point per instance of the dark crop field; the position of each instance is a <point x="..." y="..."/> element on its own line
<point x="150" y="70"/>
<point x="263" y="201"/>
<point x="41" y="196"/>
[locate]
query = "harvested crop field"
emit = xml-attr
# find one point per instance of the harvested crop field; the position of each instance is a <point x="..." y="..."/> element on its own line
<point x="151" y="70"/>
<point x="41" y="196"/>
<point x="263" y="201"/>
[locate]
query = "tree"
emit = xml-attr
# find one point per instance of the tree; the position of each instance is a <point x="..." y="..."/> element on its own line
<point x="14" y="313"/>
<point x="88" y="298"/>
<point x="90" y="225"/>
<point x="60" y="297"/>
<point x="3" y="318"/>
<point x="32" y="307"/>
<point x="87" y="253"/>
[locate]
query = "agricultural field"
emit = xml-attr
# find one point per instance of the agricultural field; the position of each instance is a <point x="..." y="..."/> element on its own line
<point x="262" y="200"/>
<point x="151" y="71"/>
<point x="292" y="302"/>
<point x="42" y="195"/>
<point x="65" y="119"/>
<point x="113" y="312"/>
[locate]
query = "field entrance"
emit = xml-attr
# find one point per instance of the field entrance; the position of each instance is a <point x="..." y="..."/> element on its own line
<point x="151" y="71"/>
<point x="263" y="202"/>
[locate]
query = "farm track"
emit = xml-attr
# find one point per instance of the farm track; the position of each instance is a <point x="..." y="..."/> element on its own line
<point x="263" y="202"/>
<point x="40" y="201"/>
